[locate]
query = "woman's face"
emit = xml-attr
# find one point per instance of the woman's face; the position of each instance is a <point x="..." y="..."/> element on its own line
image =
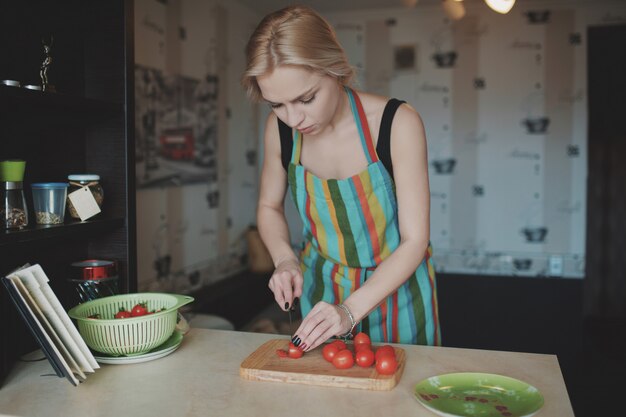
<point x="303" y="99"/>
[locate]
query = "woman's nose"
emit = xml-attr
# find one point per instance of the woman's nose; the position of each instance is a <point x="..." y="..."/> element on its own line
<point x="294" y="117"/>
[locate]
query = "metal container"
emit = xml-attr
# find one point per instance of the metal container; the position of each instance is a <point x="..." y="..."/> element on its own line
<point x="10" y="83"/>
<point x="93" y="278"/>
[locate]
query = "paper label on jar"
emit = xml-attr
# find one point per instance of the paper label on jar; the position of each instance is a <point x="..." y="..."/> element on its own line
<point x="84" y="203"/>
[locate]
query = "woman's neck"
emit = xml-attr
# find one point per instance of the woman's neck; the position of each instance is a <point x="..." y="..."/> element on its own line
<point x="342" y="113"/>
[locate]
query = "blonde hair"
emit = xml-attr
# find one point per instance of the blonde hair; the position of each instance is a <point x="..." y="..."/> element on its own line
<point x="294" y="35"/>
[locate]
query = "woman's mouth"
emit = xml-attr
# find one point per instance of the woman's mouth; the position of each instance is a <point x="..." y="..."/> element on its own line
<point x="307" y="129"/>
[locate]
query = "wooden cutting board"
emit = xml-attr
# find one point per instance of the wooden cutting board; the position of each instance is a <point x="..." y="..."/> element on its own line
<point x="265" y="365"/>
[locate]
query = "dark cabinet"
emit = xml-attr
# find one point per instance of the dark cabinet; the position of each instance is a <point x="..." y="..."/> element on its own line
<point x="86" y="126"/>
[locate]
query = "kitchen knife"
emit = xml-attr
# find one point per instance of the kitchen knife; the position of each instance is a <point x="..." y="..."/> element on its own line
<point x="293" y="308"/>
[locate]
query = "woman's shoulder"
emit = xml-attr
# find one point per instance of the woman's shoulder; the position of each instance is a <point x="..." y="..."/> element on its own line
<point x="272" y="134"/>
<point x="372" y="103"/>
<point x="272" y="118"/>
<point x="271" y="124"/>
<point x="374" y="106"/>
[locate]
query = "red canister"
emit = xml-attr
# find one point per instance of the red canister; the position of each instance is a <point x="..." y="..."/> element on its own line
<point x="94" y="278"/>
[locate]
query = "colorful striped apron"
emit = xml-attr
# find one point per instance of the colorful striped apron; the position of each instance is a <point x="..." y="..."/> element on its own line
<point x="350" y="227"/>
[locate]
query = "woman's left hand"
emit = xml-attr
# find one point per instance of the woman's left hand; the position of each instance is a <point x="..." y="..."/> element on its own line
<point x="323" y="322"/>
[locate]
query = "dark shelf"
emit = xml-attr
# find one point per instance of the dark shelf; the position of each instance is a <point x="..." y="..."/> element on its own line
<point x="68" y="230"/>
<point x="85" y="127"/>
<point x="55" y="106"/>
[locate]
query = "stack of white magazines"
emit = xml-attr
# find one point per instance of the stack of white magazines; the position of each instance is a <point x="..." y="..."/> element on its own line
<point x="48" y="321"/>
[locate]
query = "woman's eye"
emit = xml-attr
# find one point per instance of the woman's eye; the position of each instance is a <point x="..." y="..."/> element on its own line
<point x="275" y="106"/>
<point x="308" y="100"/>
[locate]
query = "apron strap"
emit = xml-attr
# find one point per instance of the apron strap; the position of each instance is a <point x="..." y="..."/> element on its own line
<point x="297" y="147"/>
<point x="362" y="126"/>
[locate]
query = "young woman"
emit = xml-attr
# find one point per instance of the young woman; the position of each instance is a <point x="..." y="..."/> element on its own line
<point x="359" y="182"/>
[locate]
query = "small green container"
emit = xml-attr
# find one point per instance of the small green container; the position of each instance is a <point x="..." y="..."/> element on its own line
<point x="12" y="170"/>
<point x="130" y="336"/>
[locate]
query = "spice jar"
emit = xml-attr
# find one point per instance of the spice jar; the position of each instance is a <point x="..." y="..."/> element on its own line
<point x="86" y="180"/>
<point x="13" y="211"/>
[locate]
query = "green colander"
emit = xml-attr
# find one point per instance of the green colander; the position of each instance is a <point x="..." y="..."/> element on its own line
<point x="130" y="336"/>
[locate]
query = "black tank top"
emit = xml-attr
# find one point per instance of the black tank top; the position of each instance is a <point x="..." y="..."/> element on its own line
<point x="383" y="146"/>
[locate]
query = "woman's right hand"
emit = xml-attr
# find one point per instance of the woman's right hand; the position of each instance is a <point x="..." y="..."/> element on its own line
<point x="286" y="283"/>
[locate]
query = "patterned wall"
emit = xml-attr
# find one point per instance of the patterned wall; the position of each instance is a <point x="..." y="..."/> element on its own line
<point x="196" y="163"/>
<point x="503" y="98"/>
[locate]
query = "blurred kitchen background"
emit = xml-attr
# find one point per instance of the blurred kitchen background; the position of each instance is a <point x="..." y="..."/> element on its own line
<point x="524" y="137"/>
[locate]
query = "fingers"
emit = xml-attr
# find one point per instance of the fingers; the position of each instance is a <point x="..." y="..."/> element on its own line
<point x="319" y="335"/>
<point x="282" y="285"/>
<point x="288" y="292"/>
<point x="298" y="283"/>
<point x="322" y="323"/>
<point x="276" y="284"/>
<point x="297" y="290"/>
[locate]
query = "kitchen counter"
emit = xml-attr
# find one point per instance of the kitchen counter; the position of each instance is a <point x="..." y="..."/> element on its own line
<point x="202" y="378"/>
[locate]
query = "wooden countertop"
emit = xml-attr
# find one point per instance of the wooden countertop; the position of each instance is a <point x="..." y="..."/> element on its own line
<point x="202" y="378"/>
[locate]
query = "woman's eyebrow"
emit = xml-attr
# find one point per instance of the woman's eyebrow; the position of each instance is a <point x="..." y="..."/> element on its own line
<point x="306" y="94"/>
<point x="300" y="97"/>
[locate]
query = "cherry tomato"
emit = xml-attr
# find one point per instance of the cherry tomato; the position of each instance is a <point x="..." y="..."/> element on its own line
<point x="386" y="365"/>
<point x="139" y="310"/>
<point x="362" y="338"/>
<point x="294" y="351"/>
<point x="343" y="359"/>
<point x="122" y="314"/>
<point x="341" y="345"/>
<point x="364" y="357"/>
<point x="329" y="351"/>
<point x="385" y="351"/>
<point x="282" y="353"/>
<point x="362" y="346"/>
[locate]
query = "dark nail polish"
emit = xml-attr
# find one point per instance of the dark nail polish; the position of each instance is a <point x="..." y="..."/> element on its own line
<point x="303" y="347"/>
<point x="297" y="342"/>
<point x="287" y="306"/>
<point x="296" y="301"/>
<point x="293" y="339"/>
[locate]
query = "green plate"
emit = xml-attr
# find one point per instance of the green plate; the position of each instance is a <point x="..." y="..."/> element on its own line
<point x="160" y="351"/>
<point x="470" y="394"/>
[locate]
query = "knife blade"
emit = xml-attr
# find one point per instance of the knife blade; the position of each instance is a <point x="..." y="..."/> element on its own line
<point x="294" y="305"/>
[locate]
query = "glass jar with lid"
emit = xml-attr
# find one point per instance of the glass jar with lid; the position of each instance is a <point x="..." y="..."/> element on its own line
<point x="90" y="181"/>
<point x="93" y="278"/>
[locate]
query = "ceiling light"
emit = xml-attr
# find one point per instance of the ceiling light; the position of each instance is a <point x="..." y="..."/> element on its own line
<point x="453" y="9"/>
<point x="500" y="6"/>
